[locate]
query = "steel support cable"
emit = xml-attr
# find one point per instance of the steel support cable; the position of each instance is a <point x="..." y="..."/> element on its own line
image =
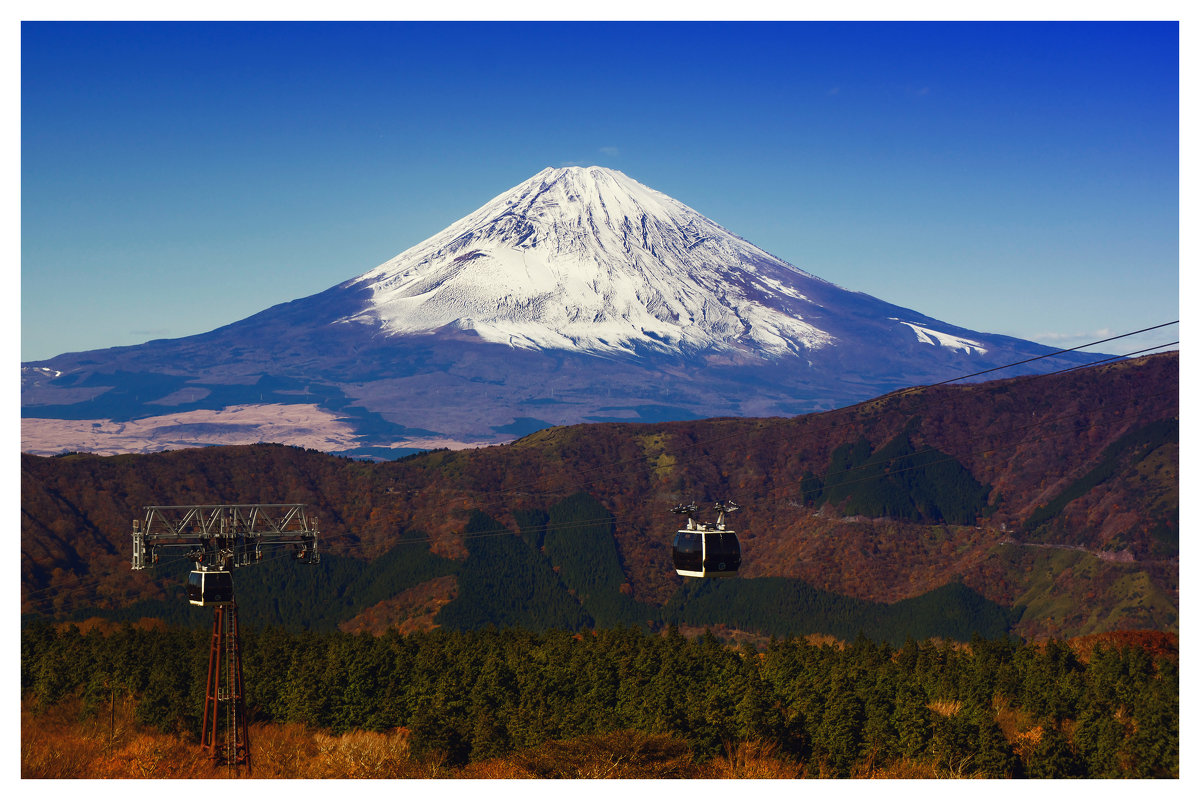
<point x="614" y="519"/>
<point x="149" y="569"/>
<point x="1040" y="423"/>
<point x="127" y="594"/>
<point x="546" y="528"/>
<point x="744" y="432"/>
<point x="1047" y="355"/>
<point x="899" y="393"/>
<point x="911" y="455"/>
<point x="1109" y="360"/>
<point x="736" y="434"/>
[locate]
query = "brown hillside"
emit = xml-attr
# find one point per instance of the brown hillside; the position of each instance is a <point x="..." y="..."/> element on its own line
<point x="1029" y="439"/>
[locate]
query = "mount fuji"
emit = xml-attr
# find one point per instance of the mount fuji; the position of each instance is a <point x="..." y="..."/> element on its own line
<point x="579" y="295"/>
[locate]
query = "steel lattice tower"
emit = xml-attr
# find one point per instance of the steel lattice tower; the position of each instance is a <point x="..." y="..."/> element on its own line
<point x="227" y="737"/>
<point x="220" y="538"/>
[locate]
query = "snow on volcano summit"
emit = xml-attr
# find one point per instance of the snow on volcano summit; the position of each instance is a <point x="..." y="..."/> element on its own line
<point x="588" y="259"/>
<point x="579" y="295"/>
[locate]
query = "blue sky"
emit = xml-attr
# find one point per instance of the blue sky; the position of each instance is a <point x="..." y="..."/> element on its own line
<point x="1016" y="178"/>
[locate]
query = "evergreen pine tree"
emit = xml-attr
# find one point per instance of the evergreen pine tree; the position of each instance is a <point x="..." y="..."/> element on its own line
<point x="912" y="720"/>
<point x="838" y="738"/>
<point x="1053" y="757"/>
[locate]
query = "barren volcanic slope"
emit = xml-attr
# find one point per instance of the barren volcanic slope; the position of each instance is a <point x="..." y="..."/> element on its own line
<point x="578" y="295"/>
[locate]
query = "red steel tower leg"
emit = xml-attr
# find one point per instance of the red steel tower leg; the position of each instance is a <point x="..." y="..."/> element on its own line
<point x="240" y="747"/>
<point x="212" y="689"/>
<point x="227" y="743"/>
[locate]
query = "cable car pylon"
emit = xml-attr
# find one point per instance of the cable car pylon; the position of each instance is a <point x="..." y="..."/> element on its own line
<point x="219" y="538"/>
<point x="227" y="743"/>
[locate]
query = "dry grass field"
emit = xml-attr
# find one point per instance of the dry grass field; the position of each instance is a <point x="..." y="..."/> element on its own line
<point x="60" y="742"/>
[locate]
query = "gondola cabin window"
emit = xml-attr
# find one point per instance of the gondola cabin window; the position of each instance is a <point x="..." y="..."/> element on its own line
<point x="706" y="554"/>
<point x="210" y="588"/>
<point x="688" y="552"/>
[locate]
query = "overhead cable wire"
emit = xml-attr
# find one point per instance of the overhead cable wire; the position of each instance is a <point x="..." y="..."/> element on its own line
<point x="547" y="527"/>
<point x="746" y="429"/>
<point x="949" y="458"/>
<point x="751" y="421"/>
<point x="612" y="518"/>
<point x="1040" y="423"/>
<point x="707" y="442"/>
<point x="1049" y="355"/>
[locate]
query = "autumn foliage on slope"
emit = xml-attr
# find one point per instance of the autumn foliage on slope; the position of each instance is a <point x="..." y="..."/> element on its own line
<point x="1076" y="474"/>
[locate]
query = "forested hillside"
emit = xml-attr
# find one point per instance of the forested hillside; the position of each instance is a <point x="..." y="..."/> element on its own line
<point x="1044" y="506"/>
<point x="994" y="708"/>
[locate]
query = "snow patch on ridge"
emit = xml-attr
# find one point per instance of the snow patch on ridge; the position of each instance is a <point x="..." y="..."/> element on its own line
<point x="938" y="339"/>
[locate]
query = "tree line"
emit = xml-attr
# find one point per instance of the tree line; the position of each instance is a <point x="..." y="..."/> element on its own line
<point x="993" y="708"/>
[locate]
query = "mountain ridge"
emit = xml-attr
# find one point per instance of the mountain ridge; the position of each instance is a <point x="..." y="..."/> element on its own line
<point x="1079" y="533"/>
<point x="625" y="304"/>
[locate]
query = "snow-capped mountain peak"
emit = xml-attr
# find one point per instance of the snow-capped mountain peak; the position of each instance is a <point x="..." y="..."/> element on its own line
<point x="579" y="295"/>
<point x="588" y="259"/>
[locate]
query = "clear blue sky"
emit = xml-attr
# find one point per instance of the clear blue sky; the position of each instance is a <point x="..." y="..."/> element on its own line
<point x="1016" y="178"/>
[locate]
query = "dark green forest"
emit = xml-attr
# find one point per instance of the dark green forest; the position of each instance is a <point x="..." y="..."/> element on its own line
<point x="899" y="481"/>
<point x="1045" y="507"/>
<point x="561" y="570"/>
<point x="993" y="708"/>
<point x="1046" y="522"/>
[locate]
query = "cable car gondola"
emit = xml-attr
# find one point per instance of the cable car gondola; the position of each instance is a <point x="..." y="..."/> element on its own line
<point x="706" y="549"/>
<point x="210" y="587"/>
